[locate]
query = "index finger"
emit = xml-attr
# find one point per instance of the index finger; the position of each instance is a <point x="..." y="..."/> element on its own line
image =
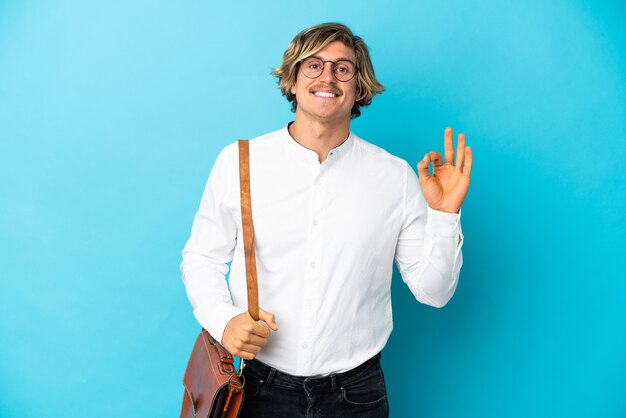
<point x="448" y="149"/>
<point x="261" y="330"/>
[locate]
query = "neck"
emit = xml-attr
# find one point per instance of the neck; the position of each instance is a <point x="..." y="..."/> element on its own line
<point x="319" y="136"/>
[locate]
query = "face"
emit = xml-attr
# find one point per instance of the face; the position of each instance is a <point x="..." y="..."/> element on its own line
<point x="325" y="98"/>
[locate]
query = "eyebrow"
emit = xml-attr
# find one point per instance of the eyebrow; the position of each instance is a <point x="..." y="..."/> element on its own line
<point x="337" y="60"/>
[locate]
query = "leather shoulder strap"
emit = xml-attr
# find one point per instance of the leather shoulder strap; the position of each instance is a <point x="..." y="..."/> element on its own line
<point x="248" y="230"/>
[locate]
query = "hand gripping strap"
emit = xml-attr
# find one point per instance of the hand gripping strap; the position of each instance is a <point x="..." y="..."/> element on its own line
<point x="248" y="229"/>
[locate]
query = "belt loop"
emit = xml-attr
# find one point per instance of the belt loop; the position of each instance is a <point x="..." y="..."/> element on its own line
<point x="270" y="376"/>
<point x="333" y="382"/>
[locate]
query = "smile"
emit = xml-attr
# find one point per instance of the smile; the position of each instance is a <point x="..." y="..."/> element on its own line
<point x="324" y="94"/>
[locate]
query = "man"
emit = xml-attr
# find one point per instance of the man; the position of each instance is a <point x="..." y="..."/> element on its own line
<point x="331" y="213"/>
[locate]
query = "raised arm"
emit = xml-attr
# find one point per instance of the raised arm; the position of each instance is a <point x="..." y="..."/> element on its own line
<point x="428" y="251"/>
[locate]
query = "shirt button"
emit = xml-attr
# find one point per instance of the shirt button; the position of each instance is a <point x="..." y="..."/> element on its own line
<point x="305" y="346"/>
<point x="318" y="183"/>
<point x="313" y="264"/>
<point x="314" y="222"/>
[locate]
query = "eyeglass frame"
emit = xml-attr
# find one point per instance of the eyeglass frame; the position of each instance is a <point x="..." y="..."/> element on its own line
<point x="356" y="67"/>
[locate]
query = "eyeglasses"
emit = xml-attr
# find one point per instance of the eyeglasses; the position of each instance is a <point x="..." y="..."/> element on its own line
<point x="343" y="69"/>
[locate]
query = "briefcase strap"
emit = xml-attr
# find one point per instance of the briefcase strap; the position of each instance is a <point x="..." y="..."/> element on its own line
<point x="248" y="229"/>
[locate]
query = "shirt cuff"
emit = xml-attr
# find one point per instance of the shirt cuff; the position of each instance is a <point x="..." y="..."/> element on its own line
<point x="443" y="224"/>
<point x="215" y="320"/>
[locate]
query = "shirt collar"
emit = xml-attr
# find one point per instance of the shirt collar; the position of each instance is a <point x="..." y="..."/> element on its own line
<point x="303" y="152"/>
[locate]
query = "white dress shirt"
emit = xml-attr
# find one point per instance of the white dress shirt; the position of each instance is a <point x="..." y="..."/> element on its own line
<point x="326" y="237"/>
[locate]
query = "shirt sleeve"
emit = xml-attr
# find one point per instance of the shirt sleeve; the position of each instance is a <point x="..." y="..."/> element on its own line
<point x="428" y="252"/>
<point x="210" y="247"/>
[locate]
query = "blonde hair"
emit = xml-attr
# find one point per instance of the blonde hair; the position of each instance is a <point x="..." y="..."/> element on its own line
<point x="311" y="40"/>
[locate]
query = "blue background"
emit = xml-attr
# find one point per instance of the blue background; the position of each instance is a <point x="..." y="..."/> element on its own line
<point x="112" y="113"/>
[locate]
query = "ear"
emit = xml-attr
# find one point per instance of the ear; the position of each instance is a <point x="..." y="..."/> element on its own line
<point x="360" y="95"/>
<point x="293" y="89"/>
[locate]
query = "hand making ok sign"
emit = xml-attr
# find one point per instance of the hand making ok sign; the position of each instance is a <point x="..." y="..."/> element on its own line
<point x="446" y="188"/>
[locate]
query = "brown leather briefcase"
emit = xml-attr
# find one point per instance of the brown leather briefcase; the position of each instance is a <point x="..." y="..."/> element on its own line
<point x="213" y="388"/>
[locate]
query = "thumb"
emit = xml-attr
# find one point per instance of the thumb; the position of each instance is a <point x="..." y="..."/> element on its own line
<point x="268" y="318"/>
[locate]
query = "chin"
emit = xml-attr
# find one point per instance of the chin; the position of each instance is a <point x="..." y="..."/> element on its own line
<point x="334" y="114"/>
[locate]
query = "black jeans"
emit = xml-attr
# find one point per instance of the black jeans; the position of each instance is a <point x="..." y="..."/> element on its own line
<point x="359" y="392"/>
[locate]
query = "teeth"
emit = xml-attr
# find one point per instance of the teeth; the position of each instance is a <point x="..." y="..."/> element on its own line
<point x="324" y="94"/>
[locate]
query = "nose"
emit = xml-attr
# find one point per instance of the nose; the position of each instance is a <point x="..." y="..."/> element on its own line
<point x="327" y="73"/>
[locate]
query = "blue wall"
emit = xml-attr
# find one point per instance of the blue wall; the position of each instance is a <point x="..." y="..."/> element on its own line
<point x="112" y="113"/>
